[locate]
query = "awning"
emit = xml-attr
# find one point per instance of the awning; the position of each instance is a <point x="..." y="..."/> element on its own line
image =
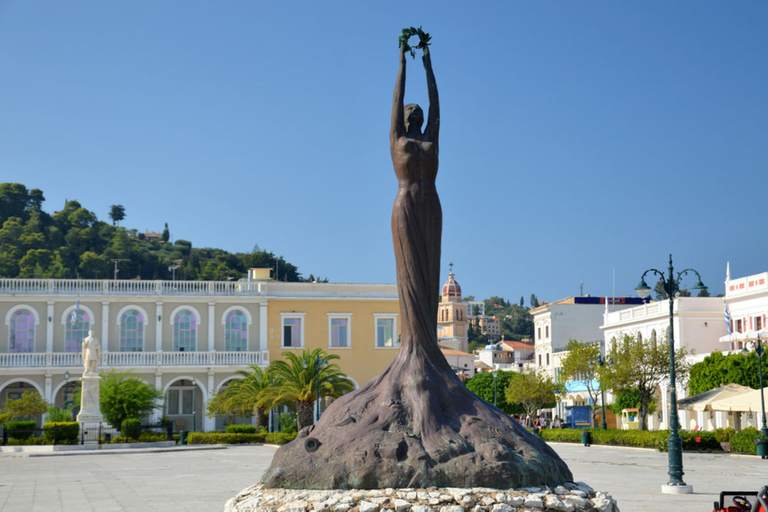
<point x="745" y="402"/>
<point x="703" y="401"/>
<point x="744" y="336"/>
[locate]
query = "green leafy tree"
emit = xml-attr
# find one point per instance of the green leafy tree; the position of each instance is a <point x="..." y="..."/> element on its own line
<point x="533" y="390"/>
<point x="580" y="364"/>
<point x="166" y="233"/>
<point x="116" y="213"/>
<point x="16" y="200"/>
<point x="481" y="384"/>
<point x="241" y="396"/>
<point x="717" y="369"/>
<point x="28" y="406"/>
<point x="630" y="398"/>
<point x="296" y="381"/>
<point x="534" y="301"/>
<point x="124" y="395"/>
<point x="94" y="266"/>
<point x="643" y="365"/>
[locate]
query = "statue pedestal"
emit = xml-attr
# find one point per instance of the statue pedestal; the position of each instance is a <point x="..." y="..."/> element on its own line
<point x="90" y="412"/>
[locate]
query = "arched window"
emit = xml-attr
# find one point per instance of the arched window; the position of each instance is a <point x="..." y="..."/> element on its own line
<point x="653" y="338"/>
<point x="132" y="331"/>
<point x="22" y="331"/>
<point x="639" y="337"/>
<point x="236" y="332"/>
<point x="184" y="331"/>
<point x="76" y="329"/>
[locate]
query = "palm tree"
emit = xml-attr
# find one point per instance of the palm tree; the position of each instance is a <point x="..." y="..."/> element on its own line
<point x="298" y="378"/>
<point x="240" y="397"/>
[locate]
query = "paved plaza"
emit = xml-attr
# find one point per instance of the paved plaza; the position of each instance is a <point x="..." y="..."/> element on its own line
<point x="203" y="479"/>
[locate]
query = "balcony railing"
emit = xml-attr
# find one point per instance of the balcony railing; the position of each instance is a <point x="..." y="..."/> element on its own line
<point x="128" y="287"/>
<point x="135" y="359"/>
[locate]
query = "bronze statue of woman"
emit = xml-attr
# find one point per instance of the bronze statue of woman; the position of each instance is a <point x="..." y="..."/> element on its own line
<point x="417" y="218"/>
<point x="416" y="425"/>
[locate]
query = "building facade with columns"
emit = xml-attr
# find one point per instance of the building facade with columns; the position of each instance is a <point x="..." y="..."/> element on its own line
<point x="698" y="325"/>
<point x="187" y="338"/>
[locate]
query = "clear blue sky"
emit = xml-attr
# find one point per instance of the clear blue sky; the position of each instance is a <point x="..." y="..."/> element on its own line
<point x="578" y="139"/>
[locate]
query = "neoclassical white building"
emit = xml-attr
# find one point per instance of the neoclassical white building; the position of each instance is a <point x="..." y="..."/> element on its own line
<point x="698" y="325"/>
<point x="187" y="338"/>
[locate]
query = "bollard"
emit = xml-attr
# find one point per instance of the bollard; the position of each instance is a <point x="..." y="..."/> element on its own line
<point x="586" y="437"/>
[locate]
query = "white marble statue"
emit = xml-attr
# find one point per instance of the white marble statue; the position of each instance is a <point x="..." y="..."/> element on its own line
<point x="91" y="353"/>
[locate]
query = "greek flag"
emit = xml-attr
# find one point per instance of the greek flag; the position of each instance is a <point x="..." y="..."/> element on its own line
<point x="75" y="313"/>
<point x="727" y="317"/>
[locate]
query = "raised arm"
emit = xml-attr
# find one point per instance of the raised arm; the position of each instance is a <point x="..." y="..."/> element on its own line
<point x="398" y="121"/>
<point x="432" y="130"/>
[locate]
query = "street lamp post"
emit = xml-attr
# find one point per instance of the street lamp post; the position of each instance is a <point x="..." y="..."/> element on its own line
<point x="759" y="350"/>
<point x="495" y="371"/>
<point x="66" y="389"/>
<point x="671" y="285"/>
<point x="761" y="443"/>
<point x="601" y="363"/>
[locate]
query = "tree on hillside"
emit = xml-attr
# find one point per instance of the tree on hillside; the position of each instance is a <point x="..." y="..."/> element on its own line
<point x="580" y="364"/>
<point x="533" y="390"/>
<point x="534" y="301"/>
<point x="642" y="365"/>
<point x="166" y="233"/>
<point x="296" y="382"/>
<point x="17" y="201"/>
<point x="116" y="213"/>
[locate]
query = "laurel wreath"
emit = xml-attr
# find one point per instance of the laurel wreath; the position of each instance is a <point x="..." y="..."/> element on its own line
<point x="407" y="33"/>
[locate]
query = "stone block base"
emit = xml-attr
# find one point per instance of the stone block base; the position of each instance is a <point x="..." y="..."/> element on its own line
<point x="571" y="497"/>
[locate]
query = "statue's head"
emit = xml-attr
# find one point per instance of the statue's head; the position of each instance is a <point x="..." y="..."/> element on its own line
<point x="90" y="332"/>
<point x="414" y="116"/>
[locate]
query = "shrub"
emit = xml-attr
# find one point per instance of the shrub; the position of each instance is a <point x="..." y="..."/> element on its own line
<point x="700" y="440"/>
<point x="287" y="421"/>
<point x="656" y="439"/>
<point x="240" y="429"/>
<point x="259" y="437"/>
<point x="131" y="428"/>
<point x="219" y="438"/>
<point x="61" y="431"/>
<point x="743" y="441"/>
<point x="724" y="435"/>
<point x="20" y="429"/>
<point x="280" y="437"/>
<point x="55" y="415"/>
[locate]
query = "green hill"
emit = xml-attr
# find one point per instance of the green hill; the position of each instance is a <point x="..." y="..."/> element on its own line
<point x="74" y="243"/>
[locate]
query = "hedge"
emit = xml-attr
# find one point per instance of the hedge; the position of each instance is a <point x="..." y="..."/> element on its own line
<point x="743" y="441"/>
<point x="20" y="429"/>
<point x="131" y="428"/>
<point x="219" y="438"/>
<point x="240" y="429"/>
<point x="61" y="431"/>
<point x="656" y="439"/>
